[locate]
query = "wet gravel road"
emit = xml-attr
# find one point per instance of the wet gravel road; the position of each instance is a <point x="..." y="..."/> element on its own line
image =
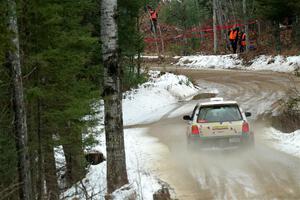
<point x="262" y="173"/>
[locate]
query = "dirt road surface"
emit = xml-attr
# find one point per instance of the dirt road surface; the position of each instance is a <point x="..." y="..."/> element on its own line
<point x="263" y="173"/>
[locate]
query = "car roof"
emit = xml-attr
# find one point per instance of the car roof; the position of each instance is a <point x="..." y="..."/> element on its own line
<point x="216" y="101"/>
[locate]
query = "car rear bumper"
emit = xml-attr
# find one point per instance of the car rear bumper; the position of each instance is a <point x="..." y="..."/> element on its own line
<point x="221" y="141"/>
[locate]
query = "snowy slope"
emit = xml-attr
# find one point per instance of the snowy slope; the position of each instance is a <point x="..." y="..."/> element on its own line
<point x="154" y="98"/>
<point x="263" y="62"/>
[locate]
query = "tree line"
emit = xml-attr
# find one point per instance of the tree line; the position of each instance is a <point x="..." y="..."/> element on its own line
<point x="272" y="24"/>
<point x="52" y="74"/>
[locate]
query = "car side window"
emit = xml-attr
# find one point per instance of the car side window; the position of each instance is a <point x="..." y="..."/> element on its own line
<point x="194" y="111"/>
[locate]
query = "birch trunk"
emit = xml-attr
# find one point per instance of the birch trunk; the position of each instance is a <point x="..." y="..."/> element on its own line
<point x="116" y="162"/>
<point x="233" y="11"/>
<point x="215" y="26"/>
<point x="220" y="18"/>
<point x="224" y="18"/>
<point x="246" y="24"/>
<point x="20" y="123"/>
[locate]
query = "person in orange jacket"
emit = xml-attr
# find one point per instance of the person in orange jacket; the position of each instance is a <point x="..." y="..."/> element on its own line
<point x="234" y="38"/>
<point x="242" y="42"/>
<point x="153" y="18"/>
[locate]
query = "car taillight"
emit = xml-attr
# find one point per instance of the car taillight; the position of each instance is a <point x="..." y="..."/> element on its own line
<point x="245" y="127"/>
<point x="195" y="130"/>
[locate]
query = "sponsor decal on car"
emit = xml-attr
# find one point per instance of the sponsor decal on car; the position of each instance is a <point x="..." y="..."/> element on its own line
<point x="220" y="127"/>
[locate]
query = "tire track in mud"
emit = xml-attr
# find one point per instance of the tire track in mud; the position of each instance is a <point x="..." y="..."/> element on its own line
<point x="260" y="174"/>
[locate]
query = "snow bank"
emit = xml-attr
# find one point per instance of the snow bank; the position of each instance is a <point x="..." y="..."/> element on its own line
<point x="210" y="61"/>
<point x="151" y="100"/>
<point x="286" y="142"/>
<point x="232" y="61"/>
<point x="277" y="63"/>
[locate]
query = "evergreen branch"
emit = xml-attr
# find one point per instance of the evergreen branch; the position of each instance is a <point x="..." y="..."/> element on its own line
<point x="27" y="75"/>
<point x="4" y="194"/>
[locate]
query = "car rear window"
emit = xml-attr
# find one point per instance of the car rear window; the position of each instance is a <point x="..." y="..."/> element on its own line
<point x="219" y="113"/>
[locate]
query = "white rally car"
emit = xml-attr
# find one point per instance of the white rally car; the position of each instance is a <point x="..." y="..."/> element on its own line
<point x="219" y="123"/>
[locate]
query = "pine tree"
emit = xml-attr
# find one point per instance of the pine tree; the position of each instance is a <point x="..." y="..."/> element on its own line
<point x="62" y="74"/>
<point x="62" y="85"/>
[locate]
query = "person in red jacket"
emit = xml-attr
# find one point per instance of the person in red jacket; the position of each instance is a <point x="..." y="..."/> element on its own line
<point x="153" y="18"/>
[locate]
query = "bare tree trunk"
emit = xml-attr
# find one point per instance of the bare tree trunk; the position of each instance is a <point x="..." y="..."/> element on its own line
<point x="185" y="39"/>
<point x="215" y="26"/>
<point x="258" y="33"/>
<point x="224" y="12"/>
<point x="161" y="40"/>
<point x="139" y="50"/>
<point x="246" y="24"/>
<point x="116" y="161"/>
<point x="233" y="11"/>
<point x="221" y="23"/>
<point x="19" y="106"/>
<point x="277" y="36"/>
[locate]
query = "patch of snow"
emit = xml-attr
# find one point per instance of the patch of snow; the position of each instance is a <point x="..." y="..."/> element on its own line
<point x="286" y="142"/>
<point x="126" y="192"/>
<point x="138" y="147"/>
<point x="277" y="63"/>
<point x="210" y="61"/>
<point x="151" y="100"/>
<point x="270" y="63"/>
<point x="150" y="57"/>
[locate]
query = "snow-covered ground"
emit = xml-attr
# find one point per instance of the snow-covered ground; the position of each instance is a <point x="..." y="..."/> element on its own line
<point x="286" y="142"/>
<point x="210" y="61"/>
<point x="232" y="61"/>
<point x="149" y="102"/>
<point x="138" y="145"/>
